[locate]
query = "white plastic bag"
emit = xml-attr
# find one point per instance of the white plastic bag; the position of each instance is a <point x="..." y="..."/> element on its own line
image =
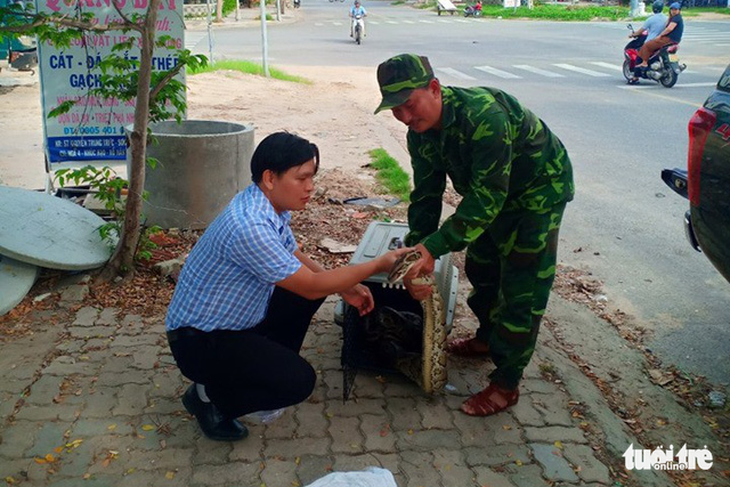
<point x="370" y="477"/>
<point x="264" y="417"/>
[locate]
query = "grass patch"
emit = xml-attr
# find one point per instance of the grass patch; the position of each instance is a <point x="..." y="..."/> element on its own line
<point x="398" y="2"/>
<point x="248" y="67"/>
<point x="558" y="12"/>
<point x="695" y="11"/>
<point x="583" y="13"/>
<point x="389" y="174"/>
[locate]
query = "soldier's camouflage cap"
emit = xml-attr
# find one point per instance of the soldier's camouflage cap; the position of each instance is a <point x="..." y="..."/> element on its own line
<point x="399" y="76"/>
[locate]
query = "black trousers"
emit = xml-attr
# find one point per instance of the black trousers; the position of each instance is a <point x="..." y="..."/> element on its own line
<point x="256" y="369"/>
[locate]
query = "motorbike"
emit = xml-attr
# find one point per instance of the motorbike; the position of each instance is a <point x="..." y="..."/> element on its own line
<point x="473" y="11"/>
<point x="663" y="66"/>
<point x="359" y="27"/>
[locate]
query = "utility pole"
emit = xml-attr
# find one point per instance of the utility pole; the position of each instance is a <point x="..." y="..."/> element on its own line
<point x="210" y="33"/>
<point x="265" y="50"/>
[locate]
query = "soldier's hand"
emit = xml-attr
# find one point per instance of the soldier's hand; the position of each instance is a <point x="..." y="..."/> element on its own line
<point x="419" y="292"/>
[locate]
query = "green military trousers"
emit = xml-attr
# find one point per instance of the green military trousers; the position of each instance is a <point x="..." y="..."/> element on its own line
<point x="511" y="267"/>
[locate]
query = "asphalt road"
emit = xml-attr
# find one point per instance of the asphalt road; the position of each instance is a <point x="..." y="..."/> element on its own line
<point x="624" y="226"/>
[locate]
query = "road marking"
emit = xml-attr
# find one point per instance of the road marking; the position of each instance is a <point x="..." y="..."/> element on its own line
<point x="455" y="74"/>
<point x="541" y="72"/>
<point x="336" y="23"/>
<point x="374" y="22"/>
<point x="408" y="22"/>
<point x="706" y="36"/>
<point x="692" y="85"/>
<point x="192" y="39"/>
<point x="681" y="85"/>
<point x="497" y="72"/>
<point x="463" y="21"/>
<point x="426" y="21"/>
<point x="318" y="24"/>
<point x="588" y="72"/>
<point x="656" y="94"/>
<point x="392" y="22"/>
<point x="608" y="65"/>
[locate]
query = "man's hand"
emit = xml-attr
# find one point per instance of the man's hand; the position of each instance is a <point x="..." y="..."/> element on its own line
<point x="387" y="261"/>
<point x="360" y="297"/>
<point x="423" y="267"/>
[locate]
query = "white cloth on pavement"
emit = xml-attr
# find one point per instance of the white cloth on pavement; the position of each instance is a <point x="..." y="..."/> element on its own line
<point x="370" y="477"/>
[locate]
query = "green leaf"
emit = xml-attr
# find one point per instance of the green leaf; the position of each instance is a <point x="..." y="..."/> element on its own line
<point x="64" y="107"/>
<point x="152" y="162"/>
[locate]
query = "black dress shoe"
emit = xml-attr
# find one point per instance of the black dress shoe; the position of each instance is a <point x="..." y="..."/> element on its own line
<point x="213" y="424"/>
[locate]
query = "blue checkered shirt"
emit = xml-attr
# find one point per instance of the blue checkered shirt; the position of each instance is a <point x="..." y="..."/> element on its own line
<point x="229" y="276"/>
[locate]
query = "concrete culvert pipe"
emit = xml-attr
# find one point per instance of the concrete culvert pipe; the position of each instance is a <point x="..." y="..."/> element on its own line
<point x="202" y="165"/>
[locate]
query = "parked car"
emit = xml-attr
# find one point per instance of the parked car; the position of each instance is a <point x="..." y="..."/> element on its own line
<point x="706" y="182"/>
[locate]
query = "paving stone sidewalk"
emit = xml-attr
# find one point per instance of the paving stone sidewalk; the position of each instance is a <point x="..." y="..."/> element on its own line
<point x="94" y="401"/>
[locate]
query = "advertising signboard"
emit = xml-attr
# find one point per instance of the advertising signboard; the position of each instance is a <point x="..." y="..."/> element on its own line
<point x="92" y="131"/>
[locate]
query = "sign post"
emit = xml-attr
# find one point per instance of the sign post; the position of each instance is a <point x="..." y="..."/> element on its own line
<point x="93" y="130"/>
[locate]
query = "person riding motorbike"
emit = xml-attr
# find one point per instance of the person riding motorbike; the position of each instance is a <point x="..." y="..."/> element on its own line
<point x="672" y="34"/>
<point x="356" y="10"/>
<point x="653" y="26"/>
<point x="476" y="9"/>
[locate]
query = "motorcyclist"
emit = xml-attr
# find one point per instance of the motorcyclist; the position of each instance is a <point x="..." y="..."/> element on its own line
<point x="671" y="34"/>
<point x="653" y="26"/>
<point x="356" y="10"/>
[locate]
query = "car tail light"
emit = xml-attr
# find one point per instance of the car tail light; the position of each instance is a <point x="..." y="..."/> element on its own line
<point x="699" y="128"/>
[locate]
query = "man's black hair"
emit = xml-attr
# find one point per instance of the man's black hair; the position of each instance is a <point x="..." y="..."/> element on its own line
<point x="281" y="151"/>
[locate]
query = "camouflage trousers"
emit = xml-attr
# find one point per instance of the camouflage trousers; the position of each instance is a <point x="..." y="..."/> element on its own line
<point x="511" y="267"/>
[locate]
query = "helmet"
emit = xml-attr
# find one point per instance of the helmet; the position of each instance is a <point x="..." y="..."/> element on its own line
<point x="657" y="6"/>
<point x="357" y="3"/>
<point x="676" y="6"/>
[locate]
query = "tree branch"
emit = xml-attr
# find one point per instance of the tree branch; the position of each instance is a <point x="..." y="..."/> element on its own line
<point x="161" y="84"/>
<point x="127" y="20"/>
<point x="38" y="20"/>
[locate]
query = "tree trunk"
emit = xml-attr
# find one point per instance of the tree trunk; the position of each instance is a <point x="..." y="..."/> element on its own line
<point x="123" y="260"/>
<point x="219" y="11"/>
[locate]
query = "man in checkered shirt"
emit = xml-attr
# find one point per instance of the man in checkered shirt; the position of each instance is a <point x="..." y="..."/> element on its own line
<point x="247" y="294"/>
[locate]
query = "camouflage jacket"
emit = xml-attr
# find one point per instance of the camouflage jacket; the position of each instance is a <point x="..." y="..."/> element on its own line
<point x="498" y="154"/>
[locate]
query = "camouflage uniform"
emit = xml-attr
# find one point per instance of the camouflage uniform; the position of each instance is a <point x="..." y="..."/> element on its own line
<point x="515" y="178"/>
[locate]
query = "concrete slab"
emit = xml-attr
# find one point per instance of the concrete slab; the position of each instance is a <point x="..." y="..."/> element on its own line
<point x="17" y="78"/>
<point x="16" y="279"/>
<point x="46" y="231"/>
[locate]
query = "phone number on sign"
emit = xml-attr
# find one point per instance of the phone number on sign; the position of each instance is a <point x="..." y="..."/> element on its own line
<point x="91" y="130"/>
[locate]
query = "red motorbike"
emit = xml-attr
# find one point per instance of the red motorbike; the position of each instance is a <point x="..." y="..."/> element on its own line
<point x="663" y="66"/>
<point x="473" y="10"/>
